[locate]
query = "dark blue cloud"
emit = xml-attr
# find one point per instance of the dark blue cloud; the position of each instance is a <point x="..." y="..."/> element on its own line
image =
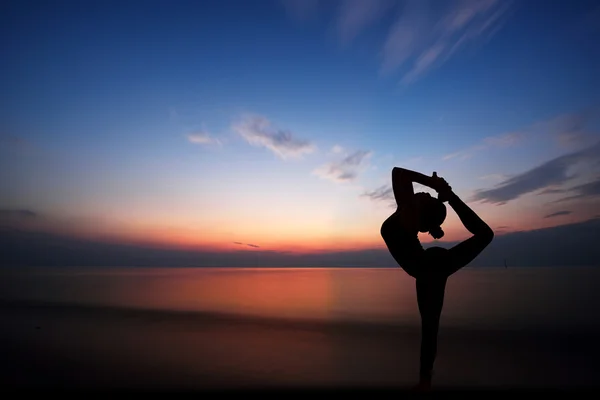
<point x="586" y="190"/>
<point x="19" y="213"/>
<point x="558" y="213"/>
<point x="247" y="244"/>
<point x="551" y="173"/>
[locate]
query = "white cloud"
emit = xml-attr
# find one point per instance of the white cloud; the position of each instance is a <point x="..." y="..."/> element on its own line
<point x="337" y="149"/>
<point x="346" y="169"/>
<point x="568" y="129"/>
<point x="429" y="39"/>
<point x="424" y="62"/>
<point x="258" y="131"/>
<point x="494" y="177"/>
<point x="504" y="140"/>
<point x="425" y="34"/>
<point x="202" y="138"/>
<point x="499" y="141"/>
<point x="356" y="15"/>
<point x="383" y="193"/>
<point x="464" y="154"/>
<point x="548" y="175"/>
<point x="301" y="9"/>
<point x="405" y="35"/>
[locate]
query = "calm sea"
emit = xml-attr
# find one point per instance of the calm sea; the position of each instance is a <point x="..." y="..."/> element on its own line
<point x="513" y="298"/>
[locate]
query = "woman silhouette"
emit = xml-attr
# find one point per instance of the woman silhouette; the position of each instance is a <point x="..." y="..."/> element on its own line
<point x="431" y="268"/>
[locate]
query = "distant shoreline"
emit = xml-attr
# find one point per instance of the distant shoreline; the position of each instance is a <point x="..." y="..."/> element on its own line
<point x="139" y="267"/>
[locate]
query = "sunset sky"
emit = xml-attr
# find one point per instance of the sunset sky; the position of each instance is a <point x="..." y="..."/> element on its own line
<point x="222" y="124"/>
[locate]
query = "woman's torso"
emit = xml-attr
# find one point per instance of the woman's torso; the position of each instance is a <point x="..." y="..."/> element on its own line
<point x="404" y="245"/>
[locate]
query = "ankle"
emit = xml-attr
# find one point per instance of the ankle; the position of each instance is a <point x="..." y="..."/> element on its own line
<point x="425" y="377"/>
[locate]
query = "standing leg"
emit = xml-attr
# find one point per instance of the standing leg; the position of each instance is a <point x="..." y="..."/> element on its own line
<point x="430" y="297"/>
<point x="429" y="333"/>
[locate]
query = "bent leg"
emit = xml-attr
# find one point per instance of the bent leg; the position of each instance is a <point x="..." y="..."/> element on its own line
<point x="465" y="252"/>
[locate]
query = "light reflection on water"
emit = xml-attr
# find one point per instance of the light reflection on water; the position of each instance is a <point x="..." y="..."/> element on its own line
<point x="482" y="297"/>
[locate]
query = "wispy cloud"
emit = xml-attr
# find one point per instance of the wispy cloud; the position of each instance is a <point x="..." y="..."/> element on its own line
<point x="545" y="176"/>
<point x="18" y="213"/>
<point x="383" y="193"/>
<point x="337" y="149"/>
<point x="202" y="137"/>
<point x="258" y="131"/>
<point x="426" y="33"/>
<point x="501" y="229"/>
<point x="14" y="142"/>
<point x="558" y="214"/>
<point x="493" y="177"/>
<point x="356" y="15"/>
<point x="590" y="22"/>
<point x="567" y="130"/>
<point x="551" y="190"/>
<point x="425" y="37"/>
<point x="583" y="191"/>
<point x="346" y="169"/>
<point x="247" y="244"/>
<point x="500" y="141"/>
<point x="463" y="154"/>
<point x="301" y="9"/>
<point x="505" y="140"/>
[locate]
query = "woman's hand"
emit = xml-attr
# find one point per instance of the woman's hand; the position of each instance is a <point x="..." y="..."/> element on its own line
<point x="441" y="186"/>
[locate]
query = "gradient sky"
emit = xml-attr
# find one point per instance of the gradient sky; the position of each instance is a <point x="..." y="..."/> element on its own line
<point x="219" y="124"/>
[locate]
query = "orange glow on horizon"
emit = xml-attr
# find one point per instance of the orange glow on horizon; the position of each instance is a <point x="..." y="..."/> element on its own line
<point x="312" y="237"/>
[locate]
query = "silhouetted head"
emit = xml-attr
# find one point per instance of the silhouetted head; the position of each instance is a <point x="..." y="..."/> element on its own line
<point x="432" y="213"/>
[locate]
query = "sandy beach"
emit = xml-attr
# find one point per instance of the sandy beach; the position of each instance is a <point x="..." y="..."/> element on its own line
<point x="85" y="347"/>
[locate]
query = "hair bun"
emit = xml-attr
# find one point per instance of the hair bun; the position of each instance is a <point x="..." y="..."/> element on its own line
<point x="437" y="232"/>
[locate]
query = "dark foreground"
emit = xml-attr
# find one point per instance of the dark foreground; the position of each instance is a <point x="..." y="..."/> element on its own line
<point x="61" y="347"/>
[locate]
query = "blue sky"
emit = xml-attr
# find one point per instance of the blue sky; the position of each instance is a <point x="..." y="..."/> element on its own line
<point x="277" y="122"/>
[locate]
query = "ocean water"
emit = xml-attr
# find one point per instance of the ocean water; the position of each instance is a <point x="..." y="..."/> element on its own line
<point x="505" y="298"/>
<point x="153" y="328"/>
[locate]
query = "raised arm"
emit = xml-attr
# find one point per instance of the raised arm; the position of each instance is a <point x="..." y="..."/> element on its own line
<point x="466" y="251"/>
<point x="402" y="180"/>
